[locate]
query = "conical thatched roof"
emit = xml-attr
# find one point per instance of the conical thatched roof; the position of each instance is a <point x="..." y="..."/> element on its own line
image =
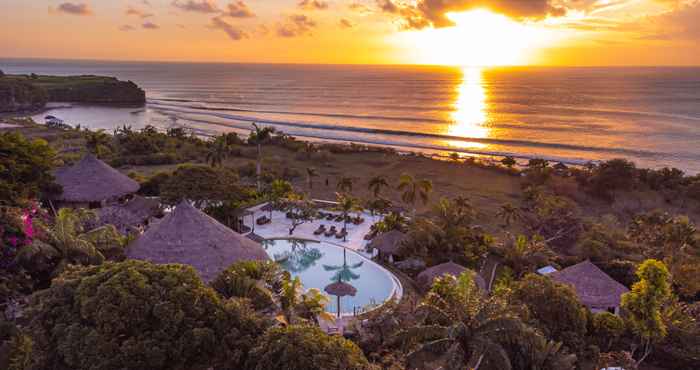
<point x="593" y="287"/>
<point x="340" y="289"/>
<point x="388" y="242"/>
<point x="92" y="180"/>
<point x="426" y="277"/>
<point x="189" y="236"/>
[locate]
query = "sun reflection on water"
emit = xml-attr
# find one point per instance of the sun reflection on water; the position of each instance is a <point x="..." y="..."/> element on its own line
<point x="470" y="114"/>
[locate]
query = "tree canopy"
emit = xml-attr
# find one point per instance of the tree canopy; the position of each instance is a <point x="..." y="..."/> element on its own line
<point x="25" y="169"/>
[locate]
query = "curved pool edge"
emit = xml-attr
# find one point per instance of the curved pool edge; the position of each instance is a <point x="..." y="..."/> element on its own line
<point x="397" y="288"/>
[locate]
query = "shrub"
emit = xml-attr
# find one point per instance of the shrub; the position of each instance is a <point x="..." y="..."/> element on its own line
<point x="305" y="348"/>
<point x="136" y="315"/>
<point x="254" y="280"/>
<point x="152" y="186"/>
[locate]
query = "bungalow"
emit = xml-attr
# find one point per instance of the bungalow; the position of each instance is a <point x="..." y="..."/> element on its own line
<point x="387" y="244"/>
<point x="594" y="288"/>
<point x="91" y="183"/>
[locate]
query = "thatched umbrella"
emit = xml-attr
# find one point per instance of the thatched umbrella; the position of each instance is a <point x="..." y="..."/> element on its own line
<point x="189" y="236"/>
<point x="340" y="289"/>
<point x="425" y="278"/>
<point x="92" y="180"/>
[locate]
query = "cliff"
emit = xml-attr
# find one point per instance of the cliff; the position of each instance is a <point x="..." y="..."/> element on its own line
<point x="22" y="92"/>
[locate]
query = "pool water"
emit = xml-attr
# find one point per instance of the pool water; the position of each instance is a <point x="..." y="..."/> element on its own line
<point x="318" y="264"/>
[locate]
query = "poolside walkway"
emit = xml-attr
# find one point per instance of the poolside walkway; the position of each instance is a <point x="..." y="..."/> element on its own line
<point x="279" y="228"/>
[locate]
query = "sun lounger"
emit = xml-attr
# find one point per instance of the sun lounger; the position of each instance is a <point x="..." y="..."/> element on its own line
<point x="330" y="217"/>
<point x="330" y="232"/>
<point x="321" y="229"/>
<point x="343" y="233"/>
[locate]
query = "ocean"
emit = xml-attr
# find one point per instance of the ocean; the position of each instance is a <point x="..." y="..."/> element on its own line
<point x="650" y="115"/>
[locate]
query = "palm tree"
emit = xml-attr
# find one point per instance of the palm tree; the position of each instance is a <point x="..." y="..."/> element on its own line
<point x="347" y="204"/>
<point x="413" y="188"/>
<point x="311" y="172"/>
<point x="295" y="303"/>
<point x="96" y="141"/>
<point x="461" y="326"/>
<point x="260" y="136"/>
<point x="376" y="184"/>
<point x="69" y="242"/>
<point x="279" y="189"/>
<point x="218" y="151"/>
<point x="509" y="213"/>
<point x="344" y="184"/>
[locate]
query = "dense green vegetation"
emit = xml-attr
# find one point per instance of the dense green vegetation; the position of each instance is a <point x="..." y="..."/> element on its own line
<point x="254" y="316"/>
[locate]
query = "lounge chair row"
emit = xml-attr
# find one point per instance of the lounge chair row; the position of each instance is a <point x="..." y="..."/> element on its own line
<point x="339" y="218"/>
<point x="262" y="220"/>
<point x="331" y="232"/>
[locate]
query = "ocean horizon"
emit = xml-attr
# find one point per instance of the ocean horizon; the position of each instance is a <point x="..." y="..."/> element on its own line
<point x="650" y="115"/>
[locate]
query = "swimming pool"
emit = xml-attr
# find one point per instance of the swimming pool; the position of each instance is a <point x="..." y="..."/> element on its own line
<point x="318" y="264"/>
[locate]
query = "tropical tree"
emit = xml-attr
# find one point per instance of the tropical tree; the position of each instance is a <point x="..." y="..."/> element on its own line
<point x="344" y="184"/>
<point x="300" y="209"/>
<point x="305" y="348"/>
<point x="219" y="150"/>
<point x="461" y="326"/>
<point x="413" y="189"/>
<point x="376" y="184"/>
<point x="392" y="221"/>
<point x="259" y="281"/>
<point x="138" y="315"/>
<point x="259" y="136"/>
<point x="509" y="213"/>
<point x="346" y="205"/>
<point x="68" y="242"/>
<point x="644" y="304"/>
<point x="297" y="304"/>
<point x="311" y="172"/>
<point x="97" y="141"/>
<point x="277" y="193"/>
<point x="25" y="169"/>
<point x="200" y="184"/>
<point x="525" y="254"/>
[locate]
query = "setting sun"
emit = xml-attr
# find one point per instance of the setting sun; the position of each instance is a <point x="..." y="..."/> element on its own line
<point x="480" y="38"/>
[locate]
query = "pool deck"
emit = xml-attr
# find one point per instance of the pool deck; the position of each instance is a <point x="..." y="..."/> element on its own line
<point x="279" y="228"/>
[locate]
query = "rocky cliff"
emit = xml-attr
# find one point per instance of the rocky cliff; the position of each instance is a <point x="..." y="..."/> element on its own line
<point x="22" y="92"/>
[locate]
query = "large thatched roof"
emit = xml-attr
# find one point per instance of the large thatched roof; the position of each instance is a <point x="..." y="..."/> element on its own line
<point x="426" y="277"/>
<point x="388" y="242"/>
<point x="189" y="236"/>
<point x="92" y="180"/>
<point x="594" y="288"/>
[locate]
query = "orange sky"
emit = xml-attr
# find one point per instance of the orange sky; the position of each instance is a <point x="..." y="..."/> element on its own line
<point x="464" y="32"/>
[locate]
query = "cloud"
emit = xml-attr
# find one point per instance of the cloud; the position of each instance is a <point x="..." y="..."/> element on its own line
<point x="681" y="23"/>
<point x="150" y="26"/>
<point x="360" y="8"/>
<point x="137" y="12"/>
<point x="426" y="13"/>
<point x="312" y="5"/>
<point x="295" y="25"/>
<point x="73" y="8"/>
<point x="198" y="6"/>
<point x="238" y="9"/>
<point x="126" y="28"/>
<point x="344" y="23"/>
<point x="232" y="32"/>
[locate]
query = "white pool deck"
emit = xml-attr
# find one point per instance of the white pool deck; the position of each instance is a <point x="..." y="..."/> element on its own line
<point x="279" y="228"/>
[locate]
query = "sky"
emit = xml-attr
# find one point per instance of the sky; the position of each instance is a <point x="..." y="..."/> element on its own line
<point x="452" y="32"/>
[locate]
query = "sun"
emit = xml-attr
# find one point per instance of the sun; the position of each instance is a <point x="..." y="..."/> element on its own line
<point x="479" y="38"/>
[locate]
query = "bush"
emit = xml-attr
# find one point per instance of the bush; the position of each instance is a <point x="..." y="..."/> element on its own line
<point x="305" y="348"/>
<point x="136" y="315"/>
<point x="153" y="159"/>
<point x="25" y="169"/>
<point x="152" y="186"/>
<point x="254" y="280"/>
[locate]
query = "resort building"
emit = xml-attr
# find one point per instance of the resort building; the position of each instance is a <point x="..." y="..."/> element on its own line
<point x="91" y="183"/>
<point x="188" y="236"/>
<point x="594" y="288"/>
<point x="387" y="244"/>
<point x="131" y="217"/>
<point x="425" y="279"/>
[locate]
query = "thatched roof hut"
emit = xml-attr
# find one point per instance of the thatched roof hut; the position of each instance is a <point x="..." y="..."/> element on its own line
<point x="91" y="180"/>
<point x="189" y="236"/>
<point x="387" y="243"/>
<point x="593" y="287"/>
<point x="425" y="278"/>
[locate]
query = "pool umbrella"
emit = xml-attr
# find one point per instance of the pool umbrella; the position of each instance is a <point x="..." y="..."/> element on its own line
<point x="340" y="289"/>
